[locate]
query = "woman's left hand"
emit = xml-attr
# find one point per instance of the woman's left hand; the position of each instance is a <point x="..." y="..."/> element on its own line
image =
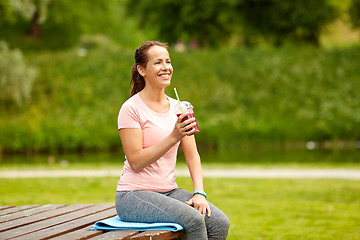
<point x="199" y="202"/>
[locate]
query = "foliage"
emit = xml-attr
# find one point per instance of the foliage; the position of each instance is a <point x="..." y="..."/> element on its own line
<point x="261" y="95"/>
<point x="33" y="11"/>
<point x="16" y="78"/>
<point x="253" y="95"/>
<point x="5" y="12"/>
<point x="67" y="19"/>
<point x="323" y="209"/>
<point x="76" y="100"/>
<point x="28" y="8"/>
<point x="202" y="21"/>
<point x="198" y="23"/>
<point x="297" y="20"/>
<point x="216" y="22"/>
<point x="354" y="12"/>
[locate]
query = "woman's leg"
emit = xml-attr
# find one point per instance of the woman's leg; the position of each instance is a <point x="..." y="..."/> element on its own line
<point x="147" y="206"/>
<point x="217" y="224"/>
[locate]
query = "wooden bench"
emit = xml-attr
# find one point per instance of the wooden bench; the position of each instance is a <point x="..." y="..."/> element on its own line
<point x="60" y="221"/>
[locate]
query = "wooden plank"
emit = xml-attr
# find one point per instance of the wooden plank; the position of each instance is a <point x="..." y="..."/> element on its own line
<point x="67" y="227"/>
<point x="61" y="222"/>
<point x="41" y="216"/>
<point x="157" y="235"/>
<point x="116" y="235"/>
<point x="32" y="211"/>
<point x="82" y="233"/>
<point x="17" y="209"/>
<point x="6" y="207"/>
<point x="48" y="219"/>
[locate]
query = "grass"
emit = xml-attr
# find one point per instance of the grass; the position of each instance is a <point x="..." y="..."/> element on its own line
<point x="257" y="208"/>
<point x="211" y="159"/>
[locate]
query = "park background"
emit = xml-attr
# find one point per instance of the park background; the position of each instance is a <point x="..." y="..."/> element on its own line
<point x="274" y="84"/>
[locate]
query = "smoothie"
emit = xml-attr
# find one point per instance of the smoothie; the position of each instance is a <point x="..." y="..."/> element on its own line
<point x="190" y="115"/>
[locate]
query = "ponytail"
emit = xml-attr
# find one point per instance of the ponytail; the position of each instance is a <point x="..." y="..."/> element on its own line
<point x="137" y="81"/>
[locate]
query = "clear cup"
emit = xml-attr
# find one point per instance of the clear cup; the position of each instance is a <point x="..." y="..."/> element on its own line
<point x="189" y="109"/>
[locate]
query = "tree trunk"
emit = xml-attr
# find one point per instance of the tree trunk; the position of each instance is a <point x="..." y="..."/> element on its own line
<point x="35" y="30"/>
<point x="313" y="38"/>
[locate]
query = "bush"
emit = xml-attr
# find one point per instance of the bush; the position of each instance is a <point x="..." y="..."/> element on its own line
<point x="16" y="78"/>
<point x="298" y="20"/>
<point x="240" y="96"/>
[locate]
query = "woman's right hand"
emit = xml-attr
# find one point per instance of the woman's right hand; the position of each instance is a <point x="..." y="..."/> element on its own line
<point x="140" y="157"/>
<point x="184" y="128"/>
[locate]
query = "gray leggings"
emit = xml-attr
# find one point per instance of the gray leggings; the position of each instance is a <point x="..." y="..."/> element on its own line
<point x="148" y="206"/>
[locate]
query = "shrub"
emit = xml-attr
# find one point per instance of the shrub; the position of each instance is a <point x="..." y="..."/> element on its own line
<point x="16" y="78"/>
<point x="240" y="96"/>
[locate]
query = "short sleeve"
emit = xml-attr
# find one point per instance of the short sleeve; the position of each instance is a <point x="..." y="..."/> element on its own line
<point x="128" y="117"/>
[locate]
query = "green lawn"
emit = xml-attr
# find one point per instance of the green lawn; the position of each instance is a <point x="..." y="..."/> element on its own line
<point x="211" y="159"/>
<point x="257" y="208"/>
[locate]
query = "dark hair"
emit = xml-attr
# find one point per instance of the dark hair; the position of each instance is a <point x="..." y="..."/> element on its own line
<point x="141" y="58"/>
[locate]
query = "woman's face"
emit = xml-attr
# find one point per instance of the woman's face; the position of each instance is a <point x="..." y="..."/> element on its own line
<point x="158" y="70"/>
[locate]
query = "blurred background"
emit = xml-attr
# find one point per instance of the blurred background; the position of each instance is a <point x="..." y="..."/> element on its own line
<point x="259" y="73"/>
<point x="275" y="84"/>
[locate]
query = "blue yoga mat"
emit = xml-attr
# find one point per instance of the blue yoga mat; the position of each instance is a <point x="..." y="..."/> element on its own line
<point x="115" y="223"/>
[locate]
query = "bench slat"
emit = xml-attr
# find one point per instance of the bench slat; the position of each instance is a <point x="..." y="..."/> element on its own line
<point x="52" y="220"/>
<point x="17" y="209"/>
<point x="9" y="226"/>
<point x="29" y="212"/>
<point x="6" y="207"/>
<point x="71" y="216"/>
<point x="83" y="233"/>
<point x="67" y="227"/>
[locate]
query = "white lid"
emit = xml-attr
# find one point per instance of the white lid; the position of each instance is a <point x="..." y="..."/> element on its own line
<point x="186" y="105"/>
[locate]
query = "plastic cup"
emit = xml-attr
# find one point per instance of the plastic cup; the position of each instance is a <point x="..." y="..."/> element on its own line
<point x="189" y="109"/>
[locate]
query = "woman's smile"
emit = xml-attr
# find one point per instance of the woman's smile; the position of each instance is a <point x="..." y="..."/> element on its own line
<point x="165" y="76"/>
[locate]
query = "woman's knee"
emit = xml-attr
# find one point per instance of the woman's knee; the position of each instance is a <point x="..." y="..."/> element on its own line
<point x="224" y="225"/>
<point x="218" y="226"/>
<point x="195" y="220"/>
<point x="194" y="226"/>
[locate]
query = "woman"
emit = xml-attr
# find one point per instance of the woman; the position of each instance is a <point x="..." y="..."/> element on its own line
<point x="150" y="133"/>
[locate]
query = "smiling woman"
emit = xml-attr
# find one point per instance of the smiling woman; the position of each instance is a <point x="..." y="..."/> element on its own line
<point x="151" y="133"/>
<point x="142" y="56"/>
<point x="157" y="68"/>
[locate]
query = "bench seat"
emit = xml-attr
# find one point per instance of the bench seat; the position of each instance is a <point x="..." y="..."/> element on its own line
<point x="61" y="221"/>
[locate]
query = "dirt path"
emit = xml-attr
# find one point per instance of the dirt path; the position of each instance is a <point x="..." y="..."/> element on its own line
<point x="211" y="173"/>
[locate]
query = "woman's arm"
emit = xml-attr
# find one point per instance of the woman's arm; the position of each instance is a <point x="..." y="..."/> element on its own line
<point x="139" y="157"/>
<point x="194" y="164"/>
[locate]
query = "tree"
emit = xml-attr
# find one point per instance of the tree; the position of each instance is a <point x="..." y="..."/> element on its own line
<point x="16" y="78"/>
<point x="298" y="20"/>
<point x="52" y="24"/>
<point x="354" y="12"/>
<point x="33" y="11"/>
<point x="209" y="23"/>
<point x="216" y="22"/>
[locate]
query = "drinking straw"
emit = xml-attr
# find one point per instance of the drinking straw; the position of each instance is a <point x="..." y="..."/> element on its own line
<point x="177" y="96"/>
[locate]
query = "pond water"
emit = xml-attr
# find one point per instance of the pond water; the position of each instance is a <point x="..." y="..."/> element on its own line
<point x="231" y="158"/>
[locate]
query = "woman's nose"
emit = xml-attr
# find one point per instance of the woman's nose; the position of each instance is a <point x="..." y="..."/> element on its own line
<point x="165" y="66"/>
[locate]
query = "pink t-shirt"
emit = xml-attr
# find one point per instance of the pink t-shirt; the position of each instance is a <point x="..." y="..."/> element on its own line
<point x="160" y="175"/>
